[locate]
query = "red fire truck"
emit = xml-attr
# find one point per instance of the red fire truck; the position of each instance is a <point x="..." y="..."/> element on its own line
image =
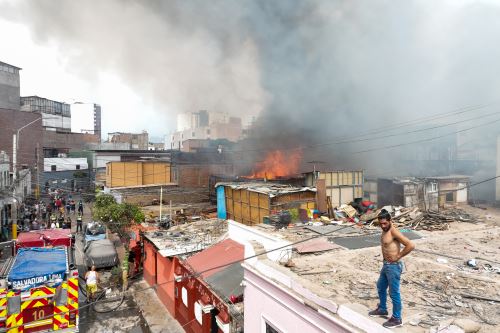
<point x="39" y="284"/>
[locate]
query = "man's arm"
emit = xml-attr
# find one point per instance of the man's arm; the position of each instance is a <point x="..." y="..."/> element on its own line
<point x="408" y="244"/>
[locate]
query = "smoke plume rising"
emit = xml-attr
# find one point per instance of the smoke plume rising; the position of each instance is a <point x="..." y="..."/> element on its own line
<point x="315" y="71"/>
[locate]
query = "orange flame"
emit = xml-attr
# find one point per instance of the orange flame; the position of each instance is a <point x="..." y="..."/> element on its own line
<point x="278" y="164"/>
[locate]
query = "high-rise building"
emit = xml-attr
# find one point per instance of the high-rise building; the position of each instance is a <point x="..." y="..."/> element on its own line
<point x="9" y="87"/>
<point x="86" y="118"/>
<point x="56" y="138"/>
<point x="56" y="116"/>
<point x="204" y="125"/>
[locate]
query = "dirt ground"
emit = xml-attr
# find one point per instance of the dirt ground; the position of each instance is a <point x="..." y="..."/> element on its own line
<point x="436" y="277"/>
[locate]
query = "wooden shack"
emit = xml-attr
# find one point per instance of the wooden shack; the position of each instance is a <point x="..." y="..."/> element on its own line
<point x="249" y="203"/>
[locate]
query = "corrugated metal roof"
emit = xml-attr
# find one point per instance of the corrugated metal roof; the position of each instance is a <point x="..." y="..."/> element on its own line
<point x="227" y="282"/>
<point x="270" y="189"/>
<point x="220" y="254"/>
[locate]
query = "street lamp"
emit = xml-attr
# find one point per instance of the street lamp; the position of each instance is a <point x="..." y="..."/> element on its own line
<point x="15" y="147"/>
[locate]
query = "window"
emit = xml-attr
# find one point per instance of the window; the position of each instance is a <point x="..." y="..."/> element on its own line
<point x="184" y="296"/>
<point x="434" y="187"/>
<point x="53" y="168"/>
<point x="208" y="131"/>
<point x="198" y="313"/>
<point x="78" y="167"/>
<point x="271" y="329"/>
<point x="193" y="134"/>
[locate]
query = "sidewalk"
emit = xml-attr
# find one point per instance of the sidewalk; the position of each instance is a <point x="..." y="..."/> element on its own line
<point x="154" y="312"/>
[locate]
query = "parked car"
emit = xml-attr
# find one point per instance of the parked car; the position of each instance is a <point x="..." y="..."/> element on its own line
<point x="94" y="231"/>
<point x="101" y="253"/>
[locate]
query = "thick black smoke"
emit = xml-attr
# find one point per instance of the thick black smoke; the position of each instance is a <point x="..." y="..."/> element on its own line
<point x="315" y="71"/>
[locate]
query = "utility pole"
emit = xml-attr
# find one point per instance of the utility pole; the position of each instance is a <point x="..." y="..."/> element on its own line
<point x="37" y="189"/>
<point x="161" y="200"/>
<point x="14" y="158"/>
<point x="14" y="181"/>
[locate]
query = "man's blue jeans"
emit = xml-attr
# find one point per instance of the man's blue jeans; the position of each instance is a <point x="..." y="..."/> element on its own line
<point x="390" y="276"/>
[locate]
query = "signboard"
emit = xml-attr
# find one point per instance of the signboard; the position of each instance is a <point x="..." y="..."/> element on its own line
<point x="23" y="284"/>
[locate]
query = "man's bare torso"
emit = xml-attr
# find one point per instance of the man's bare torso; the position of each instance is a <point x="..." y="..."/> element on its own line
<point x="390" y="246"/>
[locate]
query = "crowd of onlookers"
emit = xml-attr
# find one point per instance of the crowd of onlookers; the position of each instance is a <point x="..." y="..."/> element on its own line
<point x="54" y="213"/>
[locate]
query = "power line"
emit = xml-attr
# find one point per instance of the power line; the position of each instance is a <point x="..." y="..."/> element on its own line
<point x="199" y="273"/>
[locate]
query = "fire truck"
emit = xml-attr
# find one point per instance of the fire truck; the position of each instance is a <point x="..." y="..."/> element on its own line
<point x="39" y="291"/>
<point x="45" y="238"/>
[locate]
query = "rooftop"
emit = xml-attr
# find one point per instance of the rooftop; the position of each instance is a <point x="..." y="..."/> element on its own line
<point x="270" y="189"/>
<point x="217" y="255"/>
<point x="6" y="64"/>
<point x="187" y="238"/>
<point x="437" y="282"/>
<point x="450" y="177"/>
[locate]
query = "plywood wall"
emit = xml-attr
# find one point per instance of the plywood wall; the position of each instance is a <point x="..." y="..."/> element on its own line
<point x="250" y="207"/>
<point x="125" y="174"/>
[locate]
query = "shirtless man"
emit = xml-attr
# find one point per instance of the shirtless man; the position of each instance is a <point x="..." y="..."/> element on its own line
<point x="390" y="274"/>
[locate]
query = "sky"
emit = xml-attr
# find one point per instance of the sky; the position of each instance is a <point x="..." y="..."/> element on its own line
<point x="45" y="73"/>
<point x="305" y="65"/>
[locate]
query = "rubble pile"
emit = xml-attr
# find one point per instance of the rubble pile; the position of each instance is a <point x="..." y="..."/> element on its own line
<point x="413" y="218"/>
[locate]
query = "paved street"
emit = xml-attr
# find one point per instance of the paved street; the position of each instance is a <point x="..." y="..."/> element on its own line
<point x="141" y="312"/>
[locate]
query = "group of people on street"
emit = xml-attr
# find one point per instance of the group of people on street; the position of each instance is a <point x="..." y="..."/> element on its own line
<point x="52" y="215"/>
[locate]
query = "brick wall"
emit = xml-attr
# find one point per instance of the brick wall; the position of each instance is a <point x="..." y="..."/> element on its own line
<point x="64" y="142"/>
<point x="10" y="121"/>
<point x="199" y="175"/>
<point x="145" y="195"/>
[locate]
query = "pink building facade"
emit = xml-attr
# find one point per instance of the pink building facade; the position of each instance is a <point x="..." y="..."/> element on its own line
<point x="277" y="301"/>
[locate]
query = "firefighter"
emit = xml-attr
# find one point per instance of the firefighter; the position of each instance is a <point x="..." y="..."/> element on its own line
<point x="80" y="207"/>
<point x="68" y="223"/>
<point x="79" y="223"/>
<point x="60" y="220"/>
<point x="53" y="221"/>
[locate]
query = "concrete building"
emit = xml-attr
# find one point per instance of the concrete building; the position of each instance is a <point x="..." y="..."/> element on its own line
<point x="56" y="116"/>
<point x="156" y="146"/>
<point x="4" y="171"/>
<point x="9" y="87"/>
<point x="29" y="143"/>
<point x="210" y="299"/>
<point x="57" y="137"/>
<point x="139" y="141"/>
<point x="205" y="125"/>
<point x="86" y="118"/>
<point x="65" y="173"/>
<point x="5" y="182"/>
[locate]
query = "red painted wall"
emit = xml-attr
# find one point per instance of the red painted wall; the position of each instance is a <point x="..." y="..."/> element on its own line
<point x="165" y="277"/>
<point x="195" y="290"/>
<point x="149" y="264"/>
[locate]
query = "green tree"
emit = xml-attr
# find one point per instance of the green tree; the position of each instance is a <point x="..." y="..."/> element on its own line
<point x="118" y="217"/>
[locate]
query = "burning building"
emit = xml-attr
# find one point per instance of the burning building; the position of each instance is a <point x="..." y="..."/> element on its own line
<point x="250" y="203"/>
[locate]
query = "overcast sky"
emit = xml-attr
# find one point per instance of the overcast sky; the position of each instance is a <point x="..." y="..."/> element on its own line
<point x="146" y="61"/>
<point x="45" y="73"/>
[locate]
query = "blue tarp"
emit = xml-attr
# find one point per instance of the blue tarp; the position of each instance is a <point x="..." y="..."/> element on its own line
<point x="37" y="266"/>
<point x="221" y="203"/>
